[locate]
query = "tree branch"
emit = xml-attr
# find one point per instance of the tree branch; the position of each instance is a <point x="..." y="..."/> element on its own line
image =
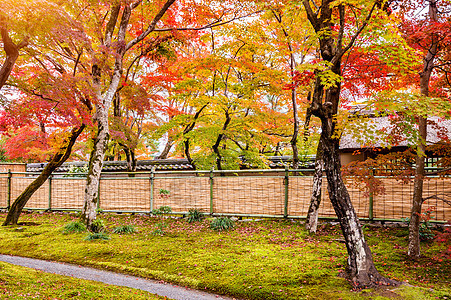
<point x="338" y="56"/>
<point x="152" y="25"/>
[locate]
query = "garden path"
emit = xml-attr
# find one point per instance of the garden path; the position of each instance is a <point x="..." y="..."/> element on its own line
<point x="152" y="286"/>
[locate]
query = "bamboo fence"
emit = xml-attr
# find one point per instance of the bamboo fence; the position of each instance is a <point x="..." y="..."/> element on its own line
<point x="262" y="195"/>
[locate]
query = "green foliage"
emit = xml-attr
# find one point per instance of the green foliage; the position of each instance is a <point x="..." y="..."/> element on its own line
<point x="75" y="171"/>
<point x="164" y="192"/>
<point x="160" y="229"/>
<point x="124" y="229"/>
<point x="195" y="215"/>
<point x="162" y="210"/>
<point x="97" y="236"/>
<point x="97" y="226"/>
<point x="222" y="224"/>
<point x="425" y="230"/>
<point x="74" y="227"/>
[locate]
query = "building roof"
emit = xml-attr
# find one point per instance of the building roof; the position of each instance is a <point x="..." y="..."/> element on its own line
<point x="275" y="162"/>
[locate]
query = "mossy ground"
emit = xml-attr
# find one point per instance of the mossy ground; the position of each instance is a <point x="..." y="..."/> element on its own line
<point x="273" y="259"/>
<point x="22" y="283"/>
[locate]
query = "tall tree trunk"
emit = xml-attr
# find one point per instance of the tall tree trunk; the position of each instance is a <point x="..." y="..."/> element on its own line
<point x="89" y="213"/>
<point x="325" y="101"/>
<point x="106" y="93"/>
<point x="130" y="158"/>
<point x="294" y="139"/>
<point x="360" y="268"/>
<point x="187" y="130"/>
<point x="311" y="223"/>
<point x="417" y="201"/>
<point x="57" y="160"/>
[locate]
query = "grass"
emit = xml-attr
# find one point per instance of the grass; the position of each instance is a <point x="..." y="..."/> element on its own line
<point x="22" y="283"/>
<point x="256" y="260"/>
<point x="74" y="227"/>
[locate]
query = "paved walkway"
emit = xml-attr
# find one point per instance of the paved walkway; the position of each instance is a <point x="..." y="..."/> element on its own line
<point x="152" y="286"/>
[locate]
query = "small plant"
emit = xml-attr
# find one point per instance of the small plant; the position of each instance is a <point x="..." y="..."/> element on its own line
<point x="160" y="229"/>
<point x="124" y="229"/>
<point x="74" y="227"/>
<point x="162" y="210"/>
<point x="97" y="226"/>
<point x="222" y="224"/>
<point x="97" y="236"/>
<point x="77" y="171"/>
<point x="164" y="193"/>
<point x="195" y="215"/>
<point x="425" y="231"/>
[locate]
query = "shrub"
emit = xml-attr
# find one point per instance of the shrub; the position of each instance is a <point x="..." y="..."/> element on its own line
<point x="124" y="229"/>
<point x="97" y="226"/>
<point x="160" y="229"/>
<point x="97" y="236"/>
<point x="74" y="227"/>
<point x="222" y="224"/>
<point x="195" y="215"/>
<point x="162" y="210"/>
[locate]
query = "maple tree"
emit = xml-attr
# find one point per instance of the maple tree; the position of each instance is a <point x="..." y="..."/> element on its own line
<point x="113" y="40"/>
<point x="335" y="38"/>
<point x="53" y="100"/>
<point x="431" y="36"/>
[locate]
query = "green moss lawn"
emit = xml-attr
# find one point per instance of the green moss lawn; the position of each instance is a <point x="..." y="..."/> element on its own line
<point x="272" y="259"/>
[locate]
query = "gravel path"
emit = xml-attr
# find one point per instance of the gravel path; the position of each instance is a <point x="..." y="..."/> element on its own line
<point x="152" y="286"/>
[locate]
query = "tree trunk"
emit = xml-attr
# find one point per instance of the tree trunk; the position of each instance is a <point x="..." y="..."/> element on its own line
<point x="417" y="201"/>
<point x="120" y="47"/>
<point x="219" y="139"/>
<point x="89" y="210"/>
<point x="415" y="215"/>
<point x="311" y="223"/>
<point x="360" y="268"/>
<point x="57" y="160"/>
<point x="167" y="148"/>
<point x="294" y="139"/>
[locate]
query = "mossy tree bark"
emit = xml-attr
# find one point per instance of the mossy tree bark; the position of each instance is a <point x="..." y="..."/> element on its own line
<point x="311" y="224"/>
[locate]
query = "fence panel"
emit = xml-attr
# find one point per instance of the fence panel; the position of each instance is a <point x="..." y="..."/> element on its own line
<point x="299" y="192"/>
<point x="243" y="195"/>
<point x="130" y="194"/>
<point x="39" y="200"/>
<point x="438" y="190"/>
<point x="184" y="193"/>
<point x="68" y="193"/>
<point x="3" y="190"/>
<point x="359" y="200"/>
<point x="249" y="195"/>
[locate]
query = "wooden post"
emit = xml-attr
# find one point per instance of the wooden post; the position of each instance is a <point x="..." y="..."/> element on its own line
<point x="50" y="193"/>
<point x="8" y="203"/>
<point x="211" y="191"/>
<point x="152" y="182"/>
<point x="285" y="206"/>
<point x="371" y="202"/>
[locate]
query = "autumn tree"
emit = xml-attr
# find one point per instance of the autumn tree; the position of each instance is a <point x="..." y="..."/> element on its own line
<point x="53" y="98"/>
<point x="429" y="34"/>
<point x="332" y="26"/>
